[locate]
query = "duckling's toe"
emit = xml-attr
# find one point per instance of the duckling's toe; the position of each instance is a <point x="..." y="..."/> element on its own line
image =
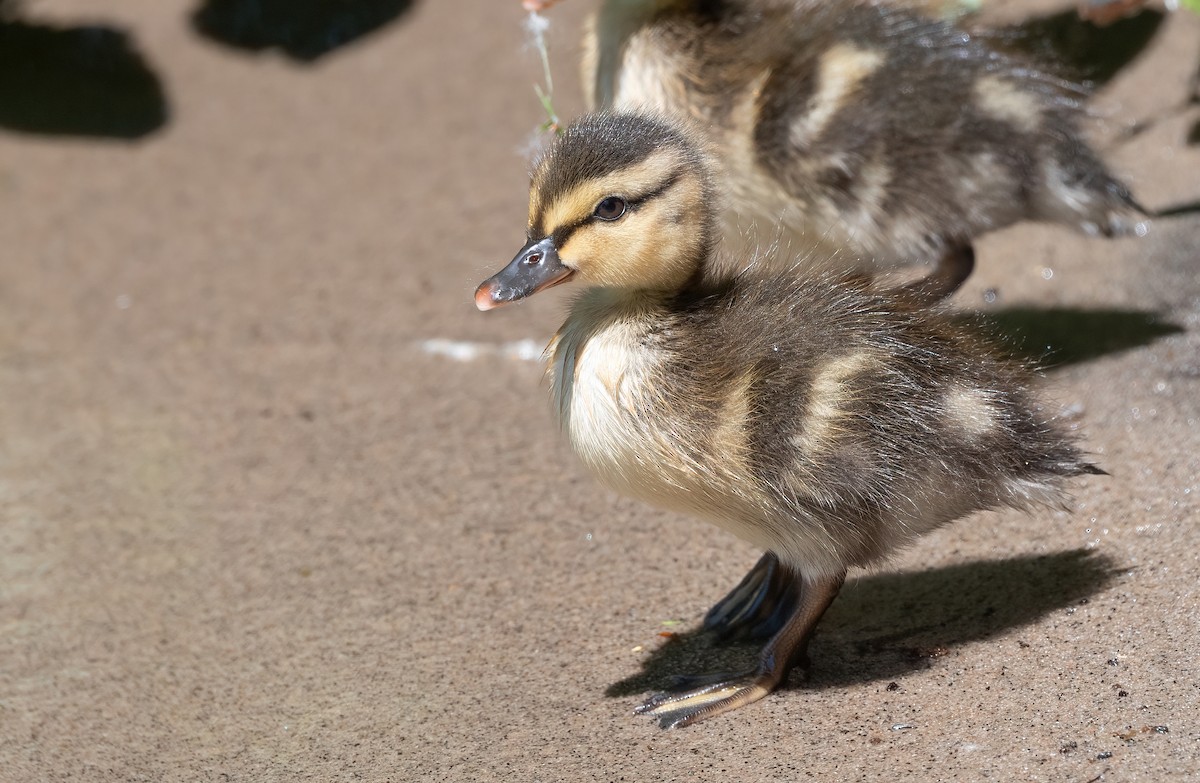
<point x="758" y="606"/>
<point x="676" y="710"/>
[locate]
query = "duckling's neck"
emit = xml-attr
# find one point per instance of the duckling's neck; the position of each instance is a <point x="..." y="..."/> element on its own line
<point x="634" y="298"/>
<point x="604" y="302"/>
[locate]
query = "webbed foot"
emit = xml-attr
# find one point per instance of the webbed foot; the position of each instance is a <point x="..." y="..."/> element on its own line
<point x="760" y="604"/>
<point x="713" y="695"/>
<point x="676" y="710"/>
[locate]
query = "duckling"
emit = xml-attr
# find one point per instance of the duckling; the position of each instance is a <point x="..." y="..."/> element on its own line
<point x="858" y="126"/>
<point x="825" y="422"/>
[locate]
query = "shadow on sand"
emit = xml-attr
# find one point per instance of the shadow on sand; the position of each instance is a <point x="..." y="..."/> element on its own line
<point x="883" y="626"/>
<point x="1058" y="336"/>
<point x="304" y="30"/>
<point x="76" y="81"/>
<point x="1080" y="49"/>
<point x="1193" y="100"/>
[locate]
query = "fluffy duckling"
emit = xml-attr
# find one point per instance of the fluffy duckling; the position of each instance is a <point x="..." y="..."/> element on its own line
<point x="859" y="125"/>
<point x="823" y="422"/>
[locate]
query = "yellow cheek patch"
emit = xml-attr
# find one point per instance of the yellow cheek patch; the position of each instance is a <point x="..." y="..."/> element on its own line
<point x="653" y="248"/>
<point x="602" y="253"/>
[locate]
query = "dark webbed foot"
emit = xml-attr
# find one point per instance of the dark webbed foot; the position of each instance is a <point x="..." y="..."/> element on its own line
<point x="949" y="273"/>
<point x="758" y="607"/>
<point x="717" y="694"/>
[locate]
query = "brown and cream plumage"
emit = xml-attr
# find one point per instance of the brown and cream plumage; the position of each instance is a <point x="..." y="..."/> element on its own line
<point x="859" y="125"/>
<point x="822" y="421"/>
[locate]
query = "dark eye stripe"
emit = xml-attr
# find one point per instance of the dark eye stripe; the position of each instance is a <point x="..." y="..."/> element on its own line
<point x="666" y="185"/>
<point x="561" y="234"/>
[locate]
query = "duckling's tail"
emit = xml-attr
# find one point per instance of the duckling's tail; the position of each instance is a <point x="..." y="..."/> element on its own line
<point x="1121" y="227"/>
<point x="1065" y="460"/>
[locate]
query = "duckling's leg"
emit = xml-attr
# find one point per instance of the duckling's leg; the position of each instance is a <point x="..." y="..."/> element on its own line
<point x="759" y="605"/>
<point x="949" y="272"/>
<point x="786" y="649"/>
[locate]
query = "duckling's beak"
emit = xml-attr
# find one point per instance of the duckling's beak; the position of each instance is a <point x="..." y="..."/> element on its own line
<point x="535" y="267"/>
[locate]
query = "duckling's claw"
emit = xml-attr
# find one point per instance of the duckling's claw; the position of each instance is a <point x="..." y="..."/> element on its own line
<point x="948" y="274"/>
<point x="753" y="608"/>
<point x="717" y="694"/>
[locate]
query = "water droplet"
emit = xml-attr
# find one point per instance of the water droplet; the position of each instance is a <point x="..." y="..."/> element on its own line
<point x="1047" y="273"/>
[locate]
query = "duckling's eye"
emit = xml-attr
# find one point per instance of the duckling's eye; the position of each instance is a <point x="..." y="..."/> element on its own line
<point x="610" y="208"/>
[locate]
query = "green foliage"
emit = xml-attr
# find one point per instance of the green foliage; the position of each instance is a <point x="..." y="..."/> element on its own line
<point x="536" y="26"/>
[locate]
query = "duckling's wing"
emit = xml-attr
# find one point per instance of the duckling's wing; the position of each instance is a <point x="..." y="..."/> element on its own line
<point x="912" y="132"/>
<point x="859" y="420"/>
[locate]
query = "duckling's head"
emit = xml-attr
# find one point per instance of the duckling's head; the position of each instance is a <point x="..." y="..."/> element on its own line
<point x="619" y="200"/>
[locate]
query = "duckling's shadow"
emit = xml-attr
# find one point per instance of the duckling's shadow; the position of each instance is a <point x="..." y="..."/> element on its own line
<point x="1086" y="50"/>
<point x="76" y="81"/>
<point x="304" y="30"/>
<point x="883" y="626"/>
<point x="1058" y="336"/>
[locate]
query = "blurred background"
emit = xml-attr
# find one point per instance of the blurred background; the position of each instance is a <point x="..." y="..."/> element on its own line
<point x="276" y="503"/>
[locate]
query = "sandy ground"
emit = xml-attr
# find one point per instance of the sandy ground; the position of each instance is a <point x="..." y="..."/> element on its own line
<point x="254" y="530"/>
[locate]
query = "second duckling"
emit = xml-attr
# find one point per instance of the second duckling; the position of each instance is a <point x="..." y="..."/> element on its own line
<point x="858" y="125"/>
<point x="825" y="423"/>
